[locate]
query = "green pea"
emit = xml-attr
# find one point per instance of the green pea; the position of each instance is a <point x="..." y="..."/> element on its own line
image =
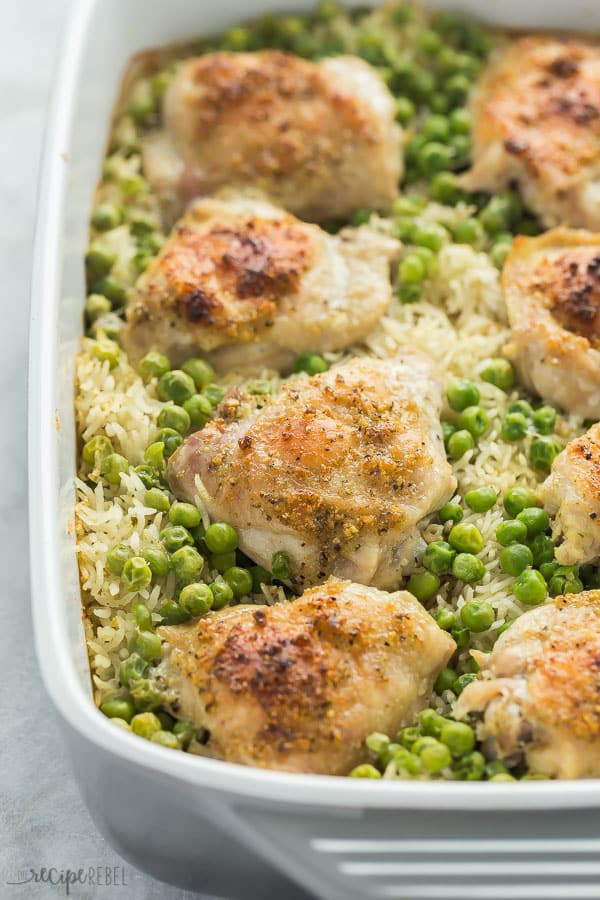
<point x="185" y="731"/>
<point x="413" y="147"/>
<point x="471" y="767"/>
<point x="146" y="695"/>
<point x="434" y="157"/>
<point x="222" y="594"/>
<point x="199" y="410"/>
<point x="409" y="735"/>
<point x="175" y="417"/>
<point x="132" y="185"/>
<point x="154" y="454"/>
<point x="106" y="326"/>
<point x="116" y="558"/>
<point x="530" y="588"/>
<point x="430" y="237"/>
<point x="145" y="724"/>
<point x="412" y="268"/>
<point x="159" y="83"/>
<point x="177" y="386"/>
<point x="423" y="585"/>
<point x="157" y="499"/>
<point x="99" y="260"/>
<point x="184" y="514"/>
<point x="377" y="742"/>
<point x="499" y="372"/>
<point x="113" y="288"/>
<point x="520" y="406"/>
<point x="132" y="669"/>
<point x="436" y="128"/>
<point x="445" y="618"/>
<point x="157" y="559"/>
<point x="468" y="568"/>
<point x="458" y="737"/>
<point x="136" y="573"/>
<point x="466" y="538"/>
<point x="96" y="305"/>
<point x="196" y="599"/>
<point x="118" y="709"/>
<point x="147" y="475"/>
<point x="463" y="680"/>
<point x="462" y="393"/>
<point x="100" y="446"/>
<point x="460" y="443"/>
<point x="457" y="89"/>
<point x="500" y="253"/>
<point x="408" y="205"/>
<point x="153" y="365"/>
<point x="435" y="757"/>
<point x="445" y="680"/>
<point x="451" y="512"/>
<point x="431" y="722"/>
<point x="474" y="419"/>
<point x="214" y="393"/>
<point x="405" y="110"/>
<point x="548" y="569"/>
<point x="112" y="467"/>
<point x="514" y="426"/>
<point x="410" y="292"/>
<point x="361" y="216"/>
<point x="143" y="617"/>
<point x="107" y="351"/>
<point x="534" y="519"/>
<point x="460" y="121"/>
<point x="239" y="580"/>
<point x="511" y="532"/>
<point x="428" y="258"/>
<point x="477" y="615"/>
<point x="544" y="419"/>
<point x="438" y="557"/>
<point x="590" y="576"/>
<point x="448" y="429"/>
<point x="106" y="216"/>
<point x="170" y="439"/>
<point x="174" y="537"/>
<point x="221" y="537"/>
<point x="311" y="363"/>
<point x="201" y="372"/>
<point x="429" y="42"/>
<point x="173" y="614"/>
<point x="148" y="645"/>
<point x="423" y="84"/>
<point x="365" y="770"/>
<point x="281" y="566"/>
<point x="515" y="558"/>
<point x="517" y="499"/>
<point x="445" y="188"/>
<point x="481" y="499"/>
<point x="564" y="584"/>
<point x="260" y="576"/>
<point x="468" y="231"/>
<point x="223" y="561"/>
<point x="187" y="564"/>
<point x="543" y="452"/>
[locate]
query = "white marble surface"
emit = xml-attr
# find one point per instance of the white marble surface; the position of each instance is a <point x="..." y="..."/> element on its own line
<point x="42" y="819"/>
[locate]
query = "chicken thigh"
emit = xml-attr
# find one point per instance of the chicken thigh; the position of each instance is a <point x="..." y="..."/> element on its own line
<point x="337" y="470"/>
<point x="540" y="692"/>
<point x="536" y="115"/>
<point x="298" y="686"/>
<point x="571" y="494"/>
<point x="319" y="138"/>
<point x="552" y="290"/>
<point x="252" y="286"/>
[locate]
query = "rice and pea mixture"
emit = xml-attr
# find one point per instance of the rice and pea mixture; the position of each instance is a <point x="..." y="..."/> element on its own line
<point x="147" y="559"/>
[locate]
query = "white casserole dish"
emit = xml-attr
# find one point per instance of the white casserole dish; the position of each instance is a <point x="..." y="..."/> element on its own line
<point x="201" y="823"/>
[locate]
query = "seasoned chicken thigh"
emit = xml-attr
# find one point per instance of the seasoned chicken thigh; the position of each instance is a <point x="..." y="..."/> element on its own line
<point x="252" y="286"/>
<point x="543" y="699"/>
<point x="298" y="686"/>
<point x="571" y="494"/>
<point x="552" y="290"/>
<point x="337" y="470"/>
<point x="536" y="118"/>
<point x="319" y="138"/>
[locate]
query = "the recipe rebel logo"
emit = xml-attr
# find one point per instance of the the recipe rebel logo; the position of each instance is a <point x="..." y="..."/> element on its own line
<point x="68" y="879"/>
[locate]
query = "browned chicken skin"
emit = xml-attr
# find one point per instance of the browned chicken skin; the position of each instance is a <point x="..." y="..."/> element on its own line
<point x="298" y="686"/>
<point x="552" y="290"/>
<point x="540" y="692"/>
<point x="318" y="138"/>
<point x="537" y="122"/>
<point x="251" y="286"/>
<point x="337" y="469"/>
<point x="571" y="494"/>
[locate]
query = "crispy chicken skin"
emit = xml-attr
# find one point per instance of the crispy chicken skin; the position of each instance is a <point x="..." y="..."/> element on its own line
<point x="252" y="286"/>
<point x="319" y="138"/>
<point x="298" y="686"/>
<point x="536" y="115"/>
<point x="540" y="691"/>
<point x="337" y="470"/>
<point x="571" y="494"/>
<point x="552" y="289"/>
